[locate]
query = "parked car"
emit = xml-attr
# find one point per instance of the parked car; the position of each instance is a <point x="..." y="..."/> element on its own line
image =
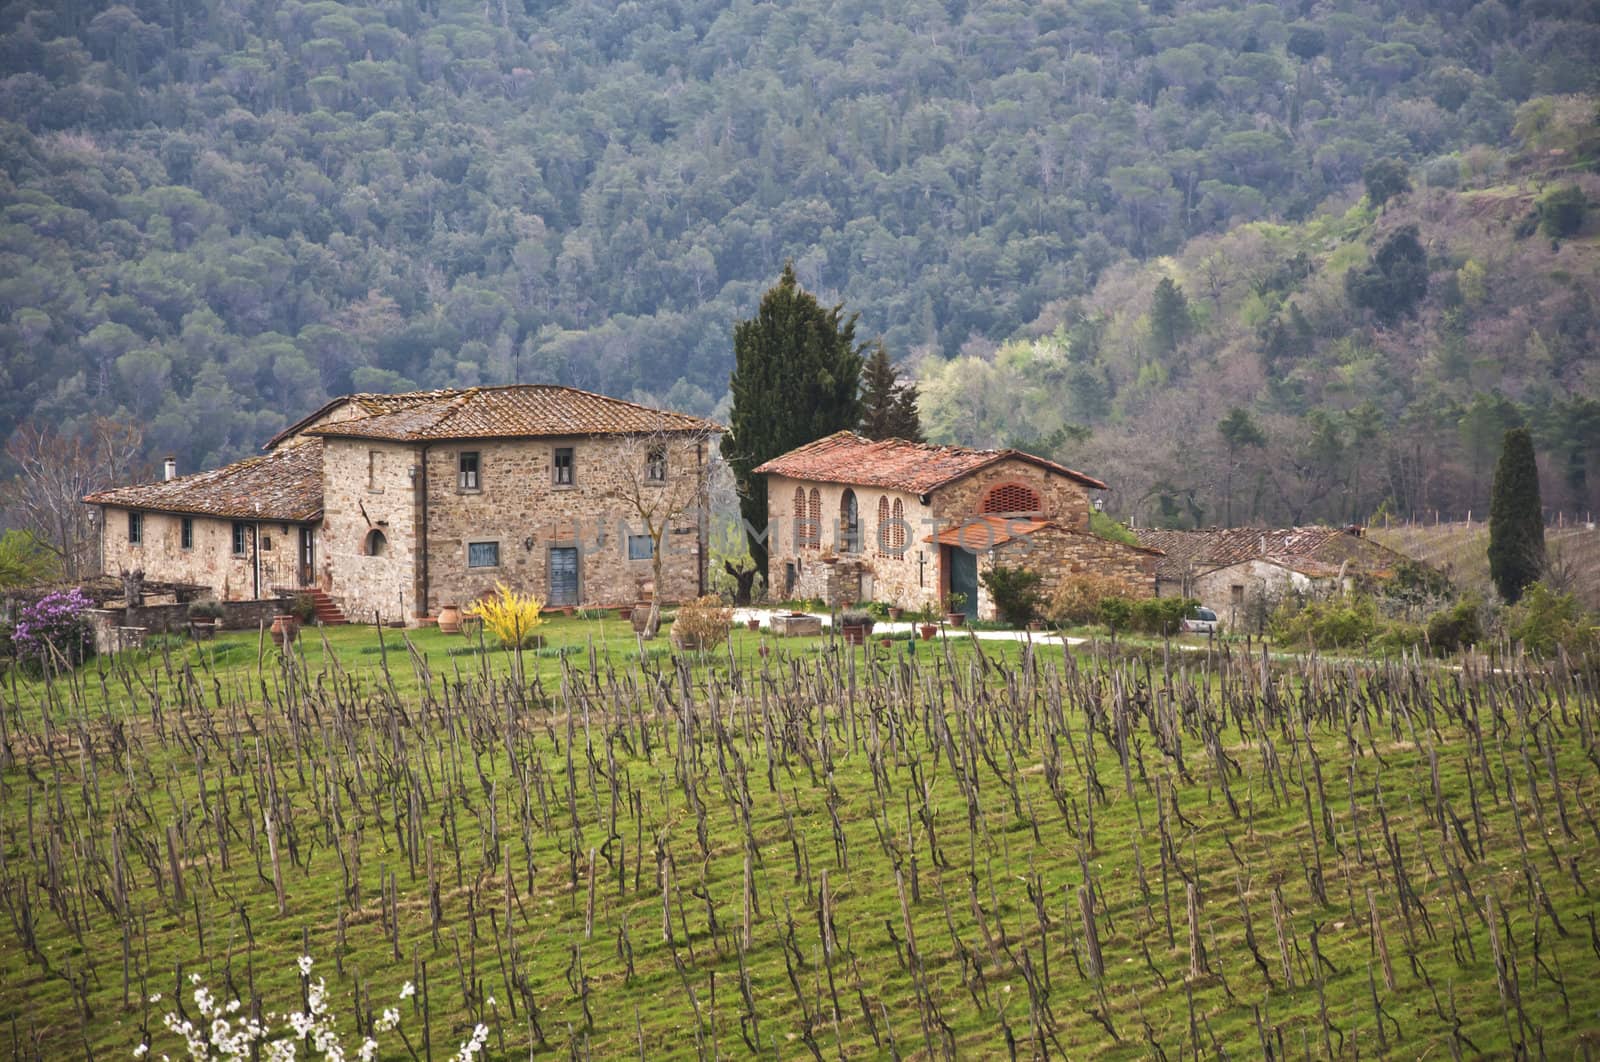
<point x="1200" y="621"/>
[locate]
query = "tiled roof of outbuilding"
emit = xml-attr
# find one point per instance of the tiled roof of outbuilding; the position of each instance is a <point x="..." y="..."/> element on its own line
<point x="897" y="464"/>
<point x="979" y="533"/>
<point x="520" y="411"/>
<point x="283" y="485"/>
<point x="1314" y="551"/>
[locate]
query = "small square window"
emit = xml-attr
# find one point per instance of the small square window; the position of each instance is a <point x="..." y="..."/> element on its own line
<point x="467" y="470"/>
<point x="563" y="466"/>
<point x="135" y="528"/>
<point x="655" y="464"/>
<point x="266" y="543"/>
<point x="186" y="533"/>
<point x="641" y="547"/>
<point x="241" y="539"/>
<point x="483" y="554"/>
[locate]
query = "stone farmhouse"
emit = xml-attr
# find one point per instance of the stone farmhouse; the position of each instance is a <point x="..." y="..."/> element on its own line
<point x="392" y="506"/>
<point x="854" y="519"/>
<point x="1241" y="573"/>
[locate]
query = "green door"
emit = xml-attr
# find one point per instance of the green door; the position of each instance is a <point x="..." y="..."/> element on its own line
<point x="963" y="568"/>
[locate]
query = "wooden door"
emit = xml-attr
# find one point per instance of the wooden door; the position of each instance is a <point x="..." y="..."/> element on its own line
<point x="563" y="575"/>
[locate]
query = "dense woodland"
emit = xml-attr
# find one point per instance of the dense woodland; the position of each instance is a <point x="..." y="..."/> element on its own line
<point x="217" y="212"/>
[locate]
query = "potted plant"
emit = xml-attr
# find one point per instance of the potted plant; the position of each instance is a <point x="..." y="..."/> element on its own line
<point x="205" y="617"/>
<point x="753" y="623"/>
<point x="954" y="603"/>
<point x="855" y="625"/>
<point x="895" y="612"/>
<point x="450" y="619"/>
<point x="927" y="627"/>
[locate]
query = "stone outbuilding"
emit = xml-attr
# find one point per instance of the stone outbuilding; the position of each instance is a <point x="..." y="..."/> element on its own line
<point x="857" y="519"/>
<point x="394" y="505"/>
<point x="1242" y="573"/>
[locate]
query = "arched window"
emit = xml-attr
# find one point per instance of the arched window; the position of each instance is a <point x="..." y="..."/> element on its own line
<point x="814" y="519"/>
<point x="376" y="545"/>
<point x="885" y="531"/>
<point x="849" y="523"/>
<point x="801" y="536"/>
<point x="897" y="537"/>
<point x="1011" y="498"/>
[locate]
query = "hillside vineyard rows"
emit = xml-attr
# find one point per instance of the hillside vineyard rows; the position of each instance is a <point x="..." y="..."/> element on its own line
<point x="937" y="854"/>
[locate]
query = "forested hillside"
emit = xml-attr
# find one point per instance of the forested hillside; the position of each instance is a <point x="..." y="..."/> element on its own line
<point x="217" y="212"/>
<point x="1365" y="360"/>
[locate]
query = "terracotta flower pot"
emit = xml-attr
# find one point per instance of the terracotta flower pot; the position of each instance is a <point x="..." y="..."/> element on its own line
<point x="956" y="619"/>
<point x="284" y="629"/>
<point x="928" y="630"/>
<point x="450" y="619"/>
<point x="854" y="635"/>
<point x="896" y="613"/>
<point x="753" y="624"/>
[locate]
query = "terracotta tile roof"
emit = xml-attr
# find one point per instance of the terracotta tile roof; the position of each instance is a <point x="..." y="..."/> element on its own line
<point x="896" y="464"/>
<point x="286" y="484"/>
<point x="979" y="533"/>
<point x="521" y="411"/>
<point x="365" y="403"/>
<point x="1315" y="551"/>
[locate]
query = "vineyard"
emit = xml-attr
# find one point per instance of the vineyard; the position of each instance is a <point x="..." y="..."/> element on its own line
<point x="818" y="851"/>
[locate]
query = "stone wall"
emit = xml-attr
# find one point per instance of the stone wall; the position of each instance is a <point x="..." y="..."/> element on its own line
<point x="906" y="575"/>
<point x="164" y="619"/>
<point x="1059" y="555"/>
<point x="1260" y="580"/>
<point x="210" y="561"/>
<point x="910" y="577"/>
<point x="518" y="506"/>
<point x="1064" y="500"/>
<point x="368" y="486"/>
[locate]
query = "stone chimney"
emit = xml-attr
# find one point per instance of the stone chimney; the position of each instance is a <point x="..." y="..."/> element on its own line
<point x="170" y="469"/>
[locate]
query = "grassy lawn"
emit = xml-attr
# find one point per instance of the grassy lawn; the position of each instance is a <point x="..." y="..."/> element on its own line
<point x="949" y="850"/>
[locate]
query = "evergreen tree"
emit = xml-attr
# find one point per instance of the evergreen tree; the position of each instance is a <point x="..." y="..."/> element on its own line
<point x="889" y="407"/>
<point x="1170" y="319"/>
<point x="1516" y="518"/>
<point x="796" y="378"/>
<point x="1396" y="280"/>
<point x="1385" y="179"/>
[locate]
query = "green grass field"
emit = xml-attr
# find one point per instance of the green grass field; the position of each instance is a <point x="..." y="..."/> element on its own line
<point x="949" y="850"/>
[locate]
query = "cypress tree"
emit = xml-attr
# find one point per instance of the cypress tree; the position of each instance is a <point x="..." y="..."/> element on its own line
<point x="1170" y="319"/>
<point x="889" y="407"/>
<point x="796" y="377"/>
<point x="1516" y="518"/>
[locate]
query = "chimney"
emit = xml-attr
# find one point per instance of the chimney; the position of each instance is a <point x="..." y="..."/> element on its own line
<point x="170" y="470"/>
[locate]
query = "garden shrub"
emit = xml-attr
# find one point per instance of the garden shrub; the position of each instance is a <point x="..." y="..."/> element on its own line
<point x="1076" y="601"/>
<point x="1015" y="591"/>
<point x="1161" y="615"/>
<point x="58" y="621"/>
<point x="1116" y="613"/>
<point x="1333" y="624"/>
<point x="1545" y="621"/>
<point x="702" y="624"/>
<point x="1455" y="628"/>
<point x="511" y="617"/>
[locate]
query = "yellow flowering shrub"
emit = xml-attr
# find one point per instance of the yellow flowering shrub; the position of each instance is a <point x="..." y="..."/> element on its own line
<point x="509" y="616"/>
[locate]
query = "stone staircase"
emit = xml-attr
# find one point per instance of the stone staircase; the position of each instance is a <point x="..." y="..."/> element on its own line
<point x="329" y="614"/>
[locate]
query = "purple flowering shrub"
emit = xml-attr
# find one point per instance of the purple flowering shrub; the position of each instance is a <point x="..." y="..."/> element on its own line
<point x="59" y="619"/>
